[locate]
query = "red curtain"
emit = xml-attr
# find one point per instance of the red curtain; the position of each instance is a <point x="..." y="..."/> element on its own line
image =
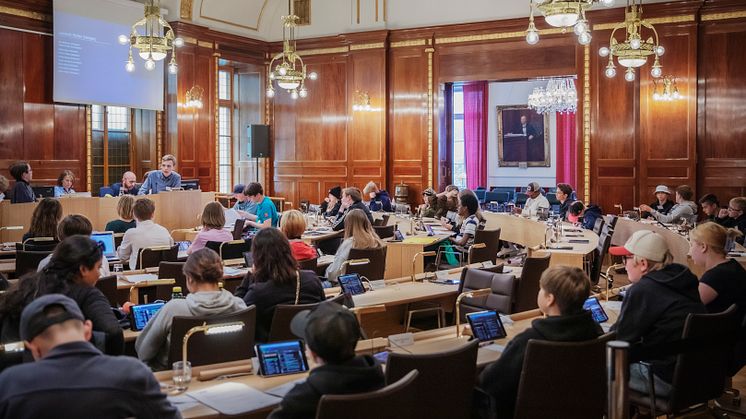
<point x="476" y="99"/>
<point x="567" y="163"/>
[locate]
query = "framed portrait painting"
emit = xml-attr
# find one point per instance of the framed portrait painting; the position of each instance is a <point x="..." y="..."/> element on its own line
<point x="522" y="137"/>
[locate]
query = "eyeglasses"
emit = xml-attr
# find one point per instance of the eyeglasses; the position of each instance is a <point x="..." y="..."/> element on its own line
<point x="734" y="210"/>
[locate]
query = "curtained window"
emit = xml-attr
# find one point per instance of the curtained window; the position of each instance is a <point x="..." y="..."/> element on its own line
<point x="476" y="99"/>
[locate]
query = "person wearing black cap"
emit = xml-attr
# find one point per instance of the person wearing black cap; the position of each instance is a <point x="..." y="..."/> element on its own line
<point x="351" y="199"/>
<point x="71" y="378"/>
<point x="243" y="203"/>
<point x="332" y="202"/>
<point x="331" y="333"/>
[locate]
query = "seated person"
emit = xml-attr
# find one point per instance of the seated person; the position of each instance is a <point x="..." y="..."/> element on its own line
<point x="379" y="199"/>
<point x="126" y="219"/>
<point x="72" y="225"/>
<point x="562" y="292"/>
<point x="276" y="280"/>
<point x="710" y="206"/>
<point x="161" y="180"/>
<point x="662" y="204"/>
<point x="331" y="333"/>
<point x="203" y="270"/>
<point x="146" y="234"/>
<point x="128" y="185"/>
<point x="684" y="210"/>
<point x="467" y="210"/>
<point x="64" y="184"/>
<point x="332" y="202"/>
<point x="575" y="212"/>
<point x="655" y="308"/>
<point x="447" y="202"/>
<point x="244" y="205"/>
<point x="4" y="185"/>
<point x="535" y="202"/>
<point x="734" y="216"/>
<point x="72" y="271"/>
<point x="724" y="281"/>
<point x="22" y="192"/>
<point x="351" y="199"/>
<point x="266" y="212"/>
<point x="213" y="221"/>
<point x="563" y="193"/>
<point x="71" y="378"/>
<point x="46" y="215"/>
<point x="293" y="224"/>
<point x="428" y="208"/>
<point x="359" y="234"/>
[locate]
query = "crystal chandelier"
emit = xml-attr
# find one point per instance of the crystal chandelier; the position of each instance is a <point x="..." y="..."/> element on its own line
<point x="290" y="73"/>
<point x="563" y="14"/>
<point x="669" y="90"/>
<point x="559" y="96"/>
<point x="153" y="38"/>
<point x="633" y="52"/>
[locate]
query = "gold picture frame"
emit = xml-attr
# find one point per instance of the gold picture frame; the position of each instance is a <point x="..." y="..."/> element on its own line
<point x="517" y="150"/>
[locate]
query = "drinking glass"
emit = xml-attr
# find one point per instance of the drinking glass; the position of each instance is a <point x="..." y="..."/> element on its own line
<point x="182" y="375"/>
<point x="118" y="268"/>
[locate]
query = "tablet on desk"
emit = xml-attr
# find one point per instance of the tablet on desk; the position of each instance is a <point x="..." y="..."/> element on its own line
<point x="351" y="284"/>
<point x="594" y="306"/>
<point x="281" y="358"/>
<point x="579" y="241"/>
<point x="184" y="245"/>
<point x="141" y="314"/>
<point x="486" y="326"/>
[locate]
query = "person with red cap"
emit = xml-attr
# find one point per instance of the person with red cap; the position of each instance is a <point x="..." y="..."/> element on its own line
<point x="655" y="308"/>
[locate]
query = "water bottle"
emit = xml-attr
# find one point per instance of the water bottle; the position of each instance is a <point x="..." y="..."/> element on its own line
<point x="176" y="293"/>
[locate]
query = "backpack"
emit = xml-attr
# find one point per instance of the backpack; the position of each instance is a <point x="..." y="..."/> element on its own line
<point x="592" y="212"/>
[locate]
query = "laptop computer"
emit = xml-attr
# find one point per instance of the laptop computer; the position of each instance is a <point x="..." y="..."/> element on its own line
<point x="106" y="238"/>
<point x="43" y="191"/>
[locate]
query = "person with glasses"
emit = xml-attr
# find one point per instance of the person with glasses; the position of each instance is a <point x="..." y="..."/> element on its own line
<point x="734" y="216"/>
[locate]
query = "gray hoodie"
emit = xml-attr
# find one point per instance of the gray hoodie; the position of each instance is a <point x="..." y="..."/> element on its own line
<point x="154" y="340"/>
<point x="686" y="210"/>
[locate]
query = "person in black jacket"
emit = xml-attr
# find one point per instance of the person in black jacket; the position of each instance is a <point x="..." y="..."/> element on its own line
<point x="276" y="280"/>
<point x="655" y="308"/>
<point x="22" y="173"/>
<point x="662" y="204"/>
<point x="351" y="199"/>
<point x="71" y="378"/>
<point x="332" y="203"/>
<point x="72" y="271"/>
<point x="379" y="199"/>
<point x="331" y="333"/>
<point x="564" y="193"/>
<point x="562" y="292"/>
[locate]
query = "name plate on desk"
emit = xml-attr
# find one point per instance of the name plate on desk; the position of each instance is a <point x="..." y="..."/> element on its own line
<point x="134" y="279"/>
<point x="401" y="339"/>
<point x="377" y="285"/>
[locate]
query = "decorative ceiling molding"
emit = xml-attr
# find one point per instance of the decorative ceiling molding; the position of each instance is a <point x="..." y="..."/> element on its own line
<point x="653" y="21"/>
<point x="238" y="25"/>
<point x="185" y="9"/>
<point x="25" y="13"/>
<point x="723" y="16"/>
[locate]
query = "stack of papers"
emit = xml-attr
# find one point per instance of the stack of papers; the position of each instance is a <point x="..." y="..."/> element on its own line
<point x="134" y="279"/>
<point x="234" y="398"/>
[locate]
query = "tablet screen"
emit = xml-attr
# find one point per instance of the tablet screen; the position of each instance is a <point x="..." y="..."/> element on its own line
<point x="486" y="325"/>
<point x="141" y="314"/>
<point x="279" y="358"/>
<point x="592" y="305"/>
<point x="351" y="284"/>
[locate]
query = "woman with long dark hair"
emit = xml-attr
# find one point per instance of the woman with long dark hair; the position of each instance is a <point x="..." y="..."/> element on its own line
<point x="72" y="271"/>
<point x="47" y="214"/>
<point x="276" y="280"/>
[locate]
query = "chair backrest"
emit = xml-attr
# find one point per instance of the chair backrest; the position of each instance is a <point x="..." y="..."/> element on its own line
<point x="611" y="220"/>
<point x="213" y="245"/>
<point x="394" y="400"/>
<point x="234" y="249"/>
<point x="150" y="257"/>
<point x="501" y="298"/>
<point x="456" y="367"/>
<point x="118" y="237"/>
<point x="528" y="284"/>
<point x="491" y="240"/>
<point x="279" y="203"/>
<point x="175" y="271"/>
<point x="38" y="244"/>
<point x="284" y="313"/>
<point x="308" y="264"/>
<point x="238" y="229"/>
<point x="604" y="241"/>
<point x="28" y="261"/>
<point x="521" y="198"/>
<point x="554" y="374"/>
<point x="108" y="286"/>
<point x="384" y="231"/>
<point x="598" y="225"/>
<point x="480" y="193"/>
<point x="552" y="198"/>
<point x="374" y="270"/>
<point x="213" y="349"/>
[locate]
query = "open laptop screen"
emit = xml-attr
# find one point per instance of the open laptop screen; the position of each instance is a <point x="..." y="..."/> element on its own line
<point x="107" y="238"/>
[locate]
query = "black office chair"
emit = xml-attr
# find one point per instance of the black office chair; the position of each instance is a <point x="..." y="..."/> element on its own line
<point x="393" y="401"/>
<point x="528" y="284"/>
<point x="308" y="264"/>
<point x="203" y="350"/>
<point x="150" y="257"/>
<point x="598" y="225"/>
<point x="284" y="313"/>
<point x="374" y="269"/>
<point x="108" y="286"/>
<point x="501" y="298"/>
<point x="118" y="237"/>
<point x="28" y="261"/>
<point x="385" y="231"/>
<point x="234" y="249"/>
<point x="238" y="229"/>
<point x="175" y="271"/>
<point x="599" y="253"/>
<point x="487" y="253"/>
<point x="452" y="401"/>
<point x="38" y="244"/>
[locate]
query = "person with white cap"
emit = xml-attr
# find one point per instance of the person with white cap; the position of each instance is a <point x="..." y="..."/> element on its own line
<point x="535" y="201"/>
<point x="655" y="308"/>
<point x="684" y="210"/>
<point x="663" y="202"/>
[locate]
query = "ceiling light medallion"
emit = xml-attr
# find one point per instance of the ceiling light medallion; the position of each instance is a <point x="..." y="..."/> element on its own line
<point x="563" y="14"/>
<point x="153" y="37"/>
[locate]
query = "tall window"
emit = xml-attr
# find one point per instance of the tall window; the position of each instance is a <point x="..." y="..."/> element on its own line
<point x="110" y="144"/>
<point x="225" y="131"/>
<point x="459" y="162"/>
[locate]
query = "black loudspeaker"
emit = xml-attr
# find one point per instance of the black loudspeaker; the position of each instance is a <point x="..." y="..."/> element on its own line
<point x="258" y="140"/>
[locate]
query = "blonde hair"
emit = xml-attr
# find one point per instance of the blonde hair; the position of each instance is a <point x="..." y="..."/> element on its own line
<point x="370" y="187"/>
<point x="293" y="224"/>
<point x="213" y="216"/>
<point x="124" y="207"/>
<point x="739" y="202"/>
<point x="359" y="228"/>
<point x="569" y="285"/>
<point x="714" y="236"/>
<point x="353" y="193"/>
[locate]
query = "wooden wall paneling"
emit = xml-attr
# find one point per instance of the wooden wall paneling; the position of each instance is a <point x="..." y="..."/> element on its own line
<point x="70" y="141"/>
<point x="143" y="143"/>
<point x="11" y="99"/>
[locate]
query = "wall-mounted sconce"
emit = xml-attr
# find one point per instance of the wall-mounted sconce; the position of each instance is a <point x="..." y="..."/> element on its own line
<point x="665" y="89"/>
<point x="361" y="101"/>
<point x="194" y="97"/>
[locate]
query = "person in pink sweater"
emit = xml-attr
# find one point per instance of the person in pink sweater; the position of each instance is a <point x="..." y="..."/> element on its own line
<point x="213" y="220"/>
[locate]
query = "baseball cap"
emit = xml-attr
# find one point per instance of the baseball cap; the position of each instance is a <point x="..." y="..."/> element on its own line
<point x="644" y="243"/>
<point x="239" y="188"/>
<point x="533" y="187"/>
<point x="34" y="319"/>
<point x="330" y="330"/>
<point x="336" y="192"/>
<point x="662" y="188"/>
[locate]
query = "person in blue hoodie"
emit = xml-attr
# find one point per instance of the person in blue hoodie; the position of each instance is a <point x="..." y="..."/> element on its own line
<point x="379" y="199"/>
<point x="655" y="308"/>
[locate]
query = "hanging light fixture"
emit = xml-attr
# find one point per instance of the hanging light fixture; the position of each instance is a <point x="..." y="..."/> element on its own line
<point x="559" y="95"/>
<point x="194" y="97"/>
<point x="669" y="89"/>
<point x="361" y="101"/>
<point x="290" y="73"/>
<point x="563" y="14"/>
<point x="153" y="38"/>
<point x="634" y="51"/>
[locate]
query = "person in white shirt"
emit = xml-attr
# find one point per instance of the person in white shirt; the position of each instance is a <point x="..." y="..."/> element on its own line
<point x="534" y="202"/>
<point x="146" y="234"/>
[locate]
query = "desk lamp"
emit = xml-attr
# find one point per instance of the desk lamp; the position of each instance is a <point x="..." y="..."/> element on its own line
<point x="414" y="262"/>
<point x="470" y="294"/>
<point x="354" y="262"/>
<point x="209" y="329"/>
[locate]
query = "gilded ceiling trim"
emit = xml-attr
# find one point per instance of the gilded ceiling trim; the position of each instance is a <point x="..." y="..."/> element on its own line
<point x="258" y="21"/>
<point x="653" y="21"/>
<point x="374" y="45"/>
<point x="492" y="36"/>
<point x="320" y="51"/>
<point x="25" y="13"/>
<point x="409" y="43"/>
<point x="185" y="9"/>
<point x="723" y="16"/>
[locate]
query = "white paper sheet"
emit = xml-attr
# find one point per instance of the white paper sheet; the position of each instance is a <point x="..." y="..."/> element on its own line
<point x="234" y="398"/>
